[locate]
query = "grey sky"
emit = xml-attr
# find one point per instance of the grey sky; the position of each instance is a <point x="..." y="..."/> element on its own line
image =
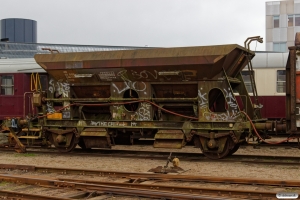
<point x="142" y="22"/>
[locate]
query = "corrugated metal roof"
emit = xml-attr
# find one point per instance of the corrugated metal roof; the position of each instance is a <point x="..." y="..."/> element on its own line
<point x="28" y="50"/>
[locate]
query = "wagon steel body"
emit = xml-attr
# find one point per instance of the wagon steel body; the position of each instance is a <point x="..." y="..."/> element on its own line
<point x="169" y="95"/>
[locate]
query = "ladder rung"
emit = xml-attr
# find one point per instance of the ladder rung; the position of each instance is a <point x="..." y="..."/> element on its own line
<point x="233" y="80"/>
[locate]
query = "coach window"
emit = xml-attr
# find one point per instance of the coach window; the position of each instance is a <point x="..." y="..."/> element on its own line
<point x="280" y="81"/>
<point x="276" y="21"/>
<point x="290" y="20"/>
<point x="7" y="85"/>
<point x="247" y="80"/>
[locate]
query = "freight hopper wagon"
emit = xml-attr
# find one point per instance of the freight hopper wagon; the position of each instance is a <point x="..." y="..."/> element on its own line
<point x="169" y="95"/>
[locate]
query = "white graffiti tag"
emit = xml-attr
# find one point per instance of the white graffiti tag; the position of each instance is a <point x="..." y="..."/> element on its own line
<point x="143" y="113"/>
<point x="128" y="84"/>
<point x="60" y="88"/>
<point x="227" y="116"/>
<point x="64" y="89"/>
<point x="51" y="86"/>
<point x="108" y="124"/>
<point x="50" y="108"/>
<point x="144" y="74"/>
<point x="230" y="99"/>
<point x="202" y="98"/>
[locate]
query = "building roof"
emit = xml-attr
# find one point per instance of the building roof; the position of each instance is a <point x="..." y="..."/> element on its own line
<point x="270" y="59"/>
<point x="20" y="65"/>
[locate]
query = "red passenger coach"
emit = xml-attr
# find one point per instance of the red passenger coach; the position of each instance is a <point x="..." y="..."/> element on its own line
<point x="270" y="79"/>
<point x="17" y="85"/>
<point x="273" y="107"/>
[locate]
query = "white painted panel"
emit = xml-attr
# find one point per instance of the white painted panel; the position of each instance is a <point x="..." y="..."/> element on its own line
<point x="297" y="8"/>
<point x="290" y="7"/>
<point x="272" y="8"/>
<point x="283" y="34"/>
<point x="269" y="22"/>
<point x="276" y="35"/>
<point x="283" y="6"/>
<point x="269" y="35"/>
<point x="268" y="8"/>
<point x="283" y="21"/>
<point x="269" y="46"/>
<point x="290" y="34"/>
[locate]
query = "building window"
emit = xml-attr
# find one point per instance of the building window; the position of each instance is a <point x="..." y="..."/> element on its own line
<point x="279" y="46"/>
<point x="7" y="85"/>
<point x="247" y="80"/>
<point x="280" y="81"/>
<point x="276" y="21"/>
<point x="290" y="20"/>
<point x="297" y="20"/>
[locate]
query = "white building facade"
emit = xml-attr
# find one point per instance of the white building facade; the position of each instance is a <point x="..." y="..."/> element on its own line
<point x="282" y="23"/>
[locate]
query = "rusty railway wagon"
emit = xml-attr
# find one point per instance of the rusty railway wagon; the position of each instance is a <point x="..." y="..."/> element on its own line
<point x="168" y="95"/>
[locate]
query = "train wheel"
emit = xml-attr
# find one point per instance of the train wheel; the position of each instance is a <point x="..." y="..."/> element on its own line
<point x="214" y="154"/>
<point x="69" y="148"/>
<point x="234" y="149"/>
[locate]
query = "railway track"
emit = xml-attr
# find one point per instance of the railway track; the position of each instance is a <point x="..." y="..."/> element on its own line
<point x="252" y="143"/>
<point x="143" y="184"/>
<point x="25" y="191"/>
<point x="183" y="156"/>
<point x="91" y="191"/>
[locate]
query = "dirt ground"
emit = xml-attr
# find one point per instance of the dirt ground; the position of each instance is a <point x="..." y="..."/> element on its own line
<point x="206" y="168"/>
<point x="143" y="165"/>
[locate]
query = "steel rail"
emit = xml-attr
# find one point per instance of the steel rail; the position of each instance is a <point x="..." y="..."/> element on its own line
<point x="285" y="145"/>
<point x="183" y="189"/>
<point x="24" y="196"/>
<point x="183" y="156"/>
<point x="152" y="176"/>
<point x="142" y="153"/>
<point x="120" y="190"/>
